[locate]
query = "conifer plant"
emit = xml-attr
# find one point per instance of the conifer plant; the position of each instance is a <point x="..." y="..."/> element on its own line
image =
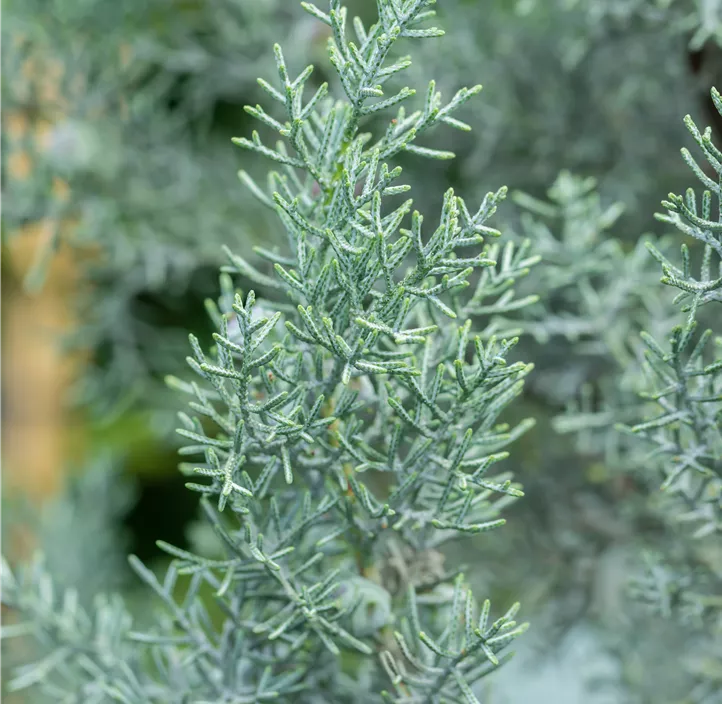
<point x="684" y="426"/>
<point x="342" y="427"/>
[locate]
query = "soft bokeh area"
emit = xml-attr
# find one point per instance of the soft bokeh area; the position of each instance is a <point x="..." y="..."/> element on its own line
<point x="120" y="188"/>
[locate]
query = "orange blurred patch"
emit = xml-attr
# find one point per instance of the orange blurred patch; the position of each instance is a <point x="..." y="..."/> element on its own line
<point x="16" y="125"/>
<point x="43" y="133"/>
<point x="20" y="165"/>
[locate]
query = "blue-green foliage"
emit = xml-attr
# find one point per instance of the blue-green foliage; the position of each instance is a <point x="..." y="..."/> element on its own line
<point x="344" y="438"/>
<point x="342" y="422"/>
<point x="685" y="376"/>
<point x="684" y="429"/>
<point x="140" y="98"/>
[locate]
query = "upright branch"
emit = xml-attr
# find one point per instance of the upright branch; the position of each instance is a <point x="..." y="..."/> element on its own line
<point x="341" y="440"/>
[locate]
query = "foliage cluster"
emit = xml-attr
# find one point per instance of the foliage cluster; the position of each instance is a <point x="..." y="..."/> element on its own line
<point x="356" y="384"/>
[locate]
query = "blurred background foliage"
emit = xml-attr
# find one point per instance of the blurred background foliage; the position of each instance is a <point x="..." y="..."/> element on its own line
<point x="119" y="189"/>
